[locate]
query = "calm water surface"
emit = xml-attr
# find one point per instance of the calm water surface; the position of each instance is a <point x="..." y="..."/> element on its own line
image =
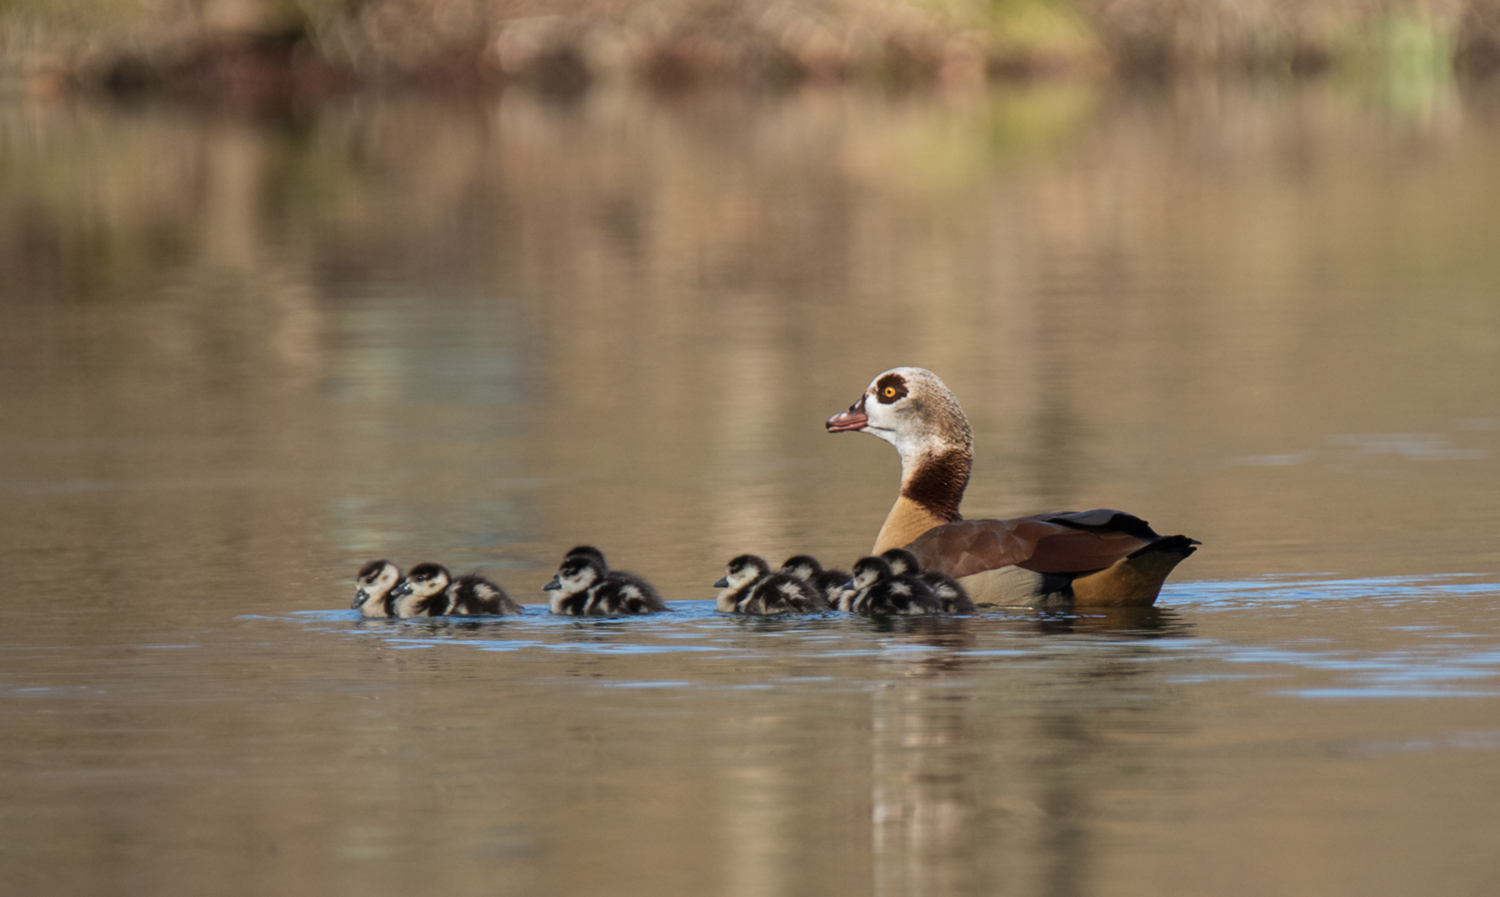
<point x="238" y="357"/>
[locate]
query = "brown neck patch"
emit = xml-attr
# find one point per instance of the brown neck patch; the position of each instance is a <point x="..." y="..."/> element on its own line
<point x="938" y="483"/>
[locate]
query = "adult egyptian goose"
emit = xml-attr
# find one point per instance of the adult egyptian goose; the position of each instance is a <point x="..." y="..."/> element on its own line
<point x="1099" y="558"/>
<point x="372" y="587"/>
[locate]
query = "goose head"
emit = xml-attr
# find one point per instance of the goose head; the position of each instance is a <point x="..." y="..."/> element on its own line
<point x="578" y="572"/>
<point x="371" y="585"/>
<point x="912" y="409"/>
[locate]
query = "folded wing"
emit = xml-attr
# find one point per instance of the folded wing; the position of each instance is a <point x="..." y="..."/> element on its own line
<point x="1076" y="542"/>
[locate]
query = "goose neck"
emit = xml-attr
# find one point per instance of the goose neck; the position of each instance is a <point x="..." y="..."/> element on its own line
<point x="936" y="478"/>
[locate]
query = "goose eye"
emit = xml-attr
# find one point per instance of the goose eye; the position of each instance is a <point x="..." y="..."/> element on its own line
<point x="890" y="392"/>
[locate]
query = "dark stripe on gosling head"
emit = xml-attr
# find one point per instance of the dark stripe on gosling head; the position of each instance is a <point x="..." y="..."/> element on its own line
<point x="427" y="571"/>
<point x="588" y="551"/>
<point x="749" y="560"/>
<point x="369" y="570"/>
<point x="571" y="568"/>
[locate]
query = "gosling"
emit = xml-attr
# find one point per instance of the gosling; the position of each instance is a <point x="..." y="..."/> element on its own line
<point x="876" y="591"/>
<point x="955" y="600"/>
<point x="586" y="587"/>
<point x="372" y="587"/>
<point x="429" y="590"/>
<point x="828" y="583"/>
<point x="749" y="587"/>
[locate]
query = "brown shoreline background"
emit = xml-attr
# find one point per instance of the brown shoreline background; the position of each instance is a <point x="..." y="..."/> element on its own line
<point x="273" y="50"/>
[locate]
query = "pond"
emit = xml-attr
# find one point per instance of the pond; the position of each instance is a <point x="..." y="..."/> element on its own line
<point x="240" y="356"/>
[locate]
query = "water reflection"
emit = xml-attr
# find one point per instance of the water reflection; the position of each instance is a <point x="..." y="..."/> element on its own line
<point x="1121" y="622"/>
<point x="947" y="817"/>
<point x="240" y="358"/>
<point x="923" y="808"/>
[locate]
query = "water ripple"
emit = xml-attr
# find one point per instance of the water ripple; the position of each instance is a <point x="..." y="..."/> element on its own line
<point x="1419" y="637"/>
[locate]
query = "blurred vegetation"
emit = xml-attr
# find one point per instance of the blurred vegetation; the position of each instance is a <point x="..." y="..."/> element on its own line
<point x="309" y="48"/>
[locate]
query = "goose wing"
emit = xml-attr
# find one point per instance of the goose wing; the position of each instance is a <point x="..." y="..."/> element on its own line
<point x="1075" y="542"/>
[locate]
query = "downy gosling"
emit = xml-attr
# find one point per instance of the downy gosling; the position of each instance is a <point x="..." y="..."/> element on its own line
<point x="584" y="586"/>
<point x="372" y="588"/>
<point x="955" y="600"/>
<point x="876" y="591"/>
<point x="749" y="587"/>
<point x="828" y="583"/>
<point x="429" y="590"/>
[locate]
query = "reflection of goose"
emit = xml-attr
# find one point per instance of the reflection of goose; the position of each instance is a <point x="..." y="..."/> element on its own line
<point x="1098" y="558"/>
<point x="955" y="600"/>
<point x="749" y="587"/>
<point x="876" y="592"/>
<point x="372" y="586"/>
<point x="429" y="590"/>
<point x="586" y="587"/>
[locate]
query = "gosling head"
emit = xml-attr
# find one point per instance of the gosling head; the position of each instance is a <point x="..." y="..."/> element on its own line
<point x="424" y="581"/>
<point x="802" y="566"/>
<point x="589" y="551"/>
<point x="577" y="573"/>
<point x="868" y="571"/>
<point x="742" y="571"/>
<point x="371" y="585"/>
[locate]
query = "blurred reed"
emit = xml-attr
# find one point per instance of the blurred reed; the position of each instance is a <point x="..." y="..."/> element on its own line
<point x="310" y="48"/>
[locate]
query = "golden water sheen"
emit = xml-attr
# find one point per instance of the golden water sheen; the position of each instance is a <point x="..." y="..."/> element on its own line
<point x="241" y="356"/>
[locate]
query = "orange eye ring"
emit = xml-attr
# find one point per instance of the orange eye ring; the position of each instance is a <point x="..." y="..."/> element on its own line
<point x="890" y="392"/>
